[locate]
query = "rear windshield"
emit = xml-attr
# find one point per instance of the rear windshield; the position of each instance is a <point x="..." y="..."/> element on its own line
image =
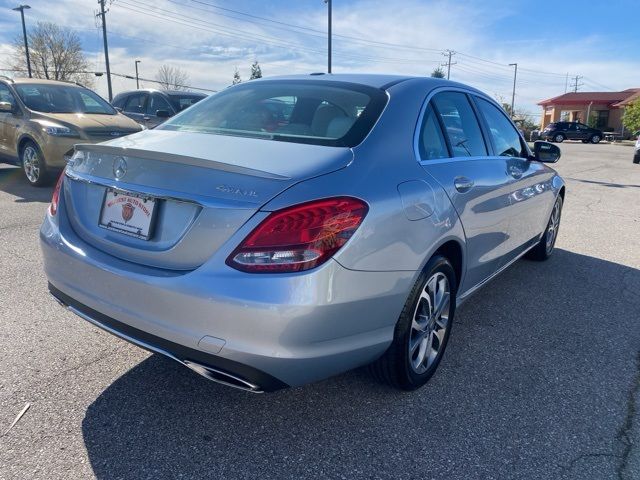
<point x="315" y="112"/>
<point x="62" y="99"/>
<point x="180" y="102"/>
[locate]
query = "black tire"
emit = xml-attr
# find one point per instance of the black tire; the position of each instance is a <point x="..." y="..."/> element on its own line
<point x="559" y="138"/>
<point x="636" y="159"/>
<point x="395" y="367"/>
<point x="34" y="166"/>
<point x="543" y="250"/>
<point x="595" y="139"/>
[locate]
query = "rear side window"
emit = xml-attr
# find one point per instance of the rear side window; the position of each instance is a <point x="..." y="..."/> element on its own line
<point x="461" y="124"/>
<point x="155" y="103"/>
<point x="301" y="111"/>
<point x="506" y="139"/>
<point x="135" y="103"/>
<point x="432" y="144"/>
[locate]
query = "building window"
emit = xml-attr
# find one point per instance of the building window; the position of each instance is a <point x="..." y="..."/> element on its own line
<point x="602" y="120"/>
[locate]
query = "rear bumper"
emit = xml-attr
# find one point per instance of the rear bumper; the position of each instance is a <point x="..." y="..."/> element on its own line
<point x="212" y="367"/>
<point x="268" y="330"/>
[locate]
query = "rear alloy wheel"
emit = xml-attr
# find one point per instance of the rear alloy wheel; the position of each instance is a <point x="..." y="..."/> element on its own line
<point x="544" y="248"/>
<point x="423" y="330"/>
<point x="595" y="139"/>
<point x="559" y="138"/>
<point x="34" y="166"/>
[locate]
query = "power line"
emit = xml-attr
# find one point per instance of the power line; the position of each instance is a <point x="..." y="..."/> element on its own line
<point x="221" y="30"/>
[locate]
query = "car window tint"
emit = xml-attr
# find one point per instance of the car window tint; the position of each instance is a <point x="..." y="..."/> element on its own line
<point x="135" y="103"/>
<point x="431" y="143"/>
<point x="506" y="138"/>
<point x="91" y="105"/>
<point x="157" y="102"/>
<point x="327" y="113"/>
<point x="56" y="98"/>
<point x="461" y="124"/>
<point x="6" y="95"/>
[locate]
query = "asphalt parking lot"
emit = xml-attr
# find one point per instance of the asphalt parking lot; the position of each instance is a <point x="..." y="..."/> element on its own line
<point x="541" y="379"/>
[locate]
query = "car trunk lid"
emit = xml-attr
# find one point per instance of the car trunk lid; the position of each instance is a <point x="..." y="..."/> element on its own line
<point x="205" y="187"/>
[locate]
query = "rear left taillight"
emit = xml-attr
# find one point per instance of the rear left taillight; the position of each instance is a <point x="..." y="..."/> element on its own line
<point x="299" y="237"/>
<point x="55" y="198"/>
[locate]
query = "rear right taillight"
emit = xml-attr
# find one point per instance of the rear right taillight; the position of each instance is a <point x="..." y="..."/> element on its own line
<point x="300" y="237"/>
<point x="55" y="198"/>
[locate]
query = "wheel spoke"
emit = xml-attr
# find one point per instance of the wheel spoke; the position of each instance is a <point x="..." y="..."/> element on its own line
<point x="442" y="305"/>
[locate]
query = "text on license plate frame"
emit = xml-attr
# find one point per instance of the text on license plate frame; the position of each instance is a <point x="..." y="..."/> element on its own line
<point x="118" y="222"/>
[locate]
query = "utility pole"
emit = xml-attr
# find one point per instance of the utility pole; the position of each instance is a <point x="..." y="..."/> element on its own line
<point x="103" y="16"/>
<point x="137" y="79"/>
<point x="21" y="9"/>
<point x="575" y="85"/>
<point x="566" y="83"/>
<point x="513" y="94"/>
<point x="329" y="15"/>
<point x="448" y="53"/>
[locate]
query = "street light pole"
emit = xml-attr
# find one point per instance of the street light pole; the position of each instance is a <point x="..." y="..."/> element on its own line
<point x="137" y="79"/>
<point x="329" y="15"/>
<point x="513" y="94"/>
<point x="21" y="8"/>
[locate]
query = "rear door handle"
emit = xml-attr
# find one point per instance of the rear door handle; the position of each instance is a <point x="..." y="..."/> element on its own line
<point x="463" y="184"/>
<point x="145" y="118"/>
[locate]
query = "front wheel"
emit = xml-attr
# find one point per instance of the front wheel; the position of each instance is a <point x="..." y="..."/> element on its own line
<point x="559" y="138"/>
<point x="423" y="329"/>
<point x="543" y="250"/>
<point x="595" y="139"/>
<point x="34" y="166"/>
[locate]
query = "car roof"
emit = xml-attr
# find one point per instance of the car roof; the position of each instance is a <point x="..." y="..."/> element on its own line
<point x="375" y="80"/>
<point x="43" y="81"/>
<point x="166" y="92"/>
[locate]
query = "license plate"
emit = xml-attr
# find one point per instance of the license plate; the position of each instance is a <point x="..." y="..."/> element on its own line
<point x="128" y="213"/>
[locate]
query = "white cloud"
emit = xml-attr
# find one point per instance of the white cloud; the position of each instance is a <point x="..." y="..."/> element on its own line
<point x="209" y="45"/>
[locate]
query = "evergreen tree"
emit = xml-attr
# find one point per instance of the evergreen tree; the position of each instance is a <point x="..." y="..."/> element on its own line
<point x="256" y="71"/>
<point x="236" y="77"/>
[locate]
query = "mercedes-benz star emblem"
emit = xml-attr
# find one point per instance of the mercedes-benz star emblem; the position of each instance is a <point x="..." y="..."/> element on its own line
<point x="119" y="167"/>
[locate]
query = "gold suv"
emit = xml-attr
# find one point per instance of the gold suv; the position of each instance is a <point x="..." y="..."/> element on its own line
<point x="41" y="121"/>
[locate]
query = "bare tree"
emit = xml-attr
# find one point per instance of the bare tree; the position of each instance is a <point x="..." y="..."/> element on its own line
<point x="172" y="78"/>
<point x="56" y="54"/>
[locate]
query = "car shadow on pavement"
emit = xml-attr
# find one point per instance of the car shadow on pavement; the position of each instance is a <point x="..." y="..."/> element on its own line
<point x="13" y="182"/>
<point x="535" y="384"/>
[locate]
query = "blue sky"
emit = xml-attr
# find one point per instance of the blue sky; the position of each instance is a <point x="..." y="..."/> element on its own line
<point x="208" y="40"/>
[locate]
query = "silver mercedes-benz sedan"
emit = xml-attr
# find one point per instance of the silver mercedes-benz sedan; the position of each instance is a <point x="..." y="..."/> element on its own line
<point x="289" y="229"/>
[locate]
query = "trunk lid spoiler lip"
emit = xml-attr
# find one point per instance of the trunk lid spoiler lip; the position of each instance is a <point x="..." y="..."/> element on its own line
<point x="162" y="194"/>
<point x="181" y="159"/>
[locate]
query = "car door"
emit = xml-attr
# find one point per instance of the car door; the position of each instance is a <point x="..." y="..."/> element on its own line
<point x="156" y="103"/>
<point x="8" y="124"/>
<point x="135" y="106"/>
<point x="477" y="185"/>
<point x="571" y="131"/>
<point x="582" y="131"/>
<point x="531" y="195"/>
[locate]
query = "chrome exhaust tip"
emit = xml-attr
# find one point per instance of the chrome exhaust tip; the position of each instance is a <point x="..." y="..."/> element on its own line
<point x="219" y="376"/>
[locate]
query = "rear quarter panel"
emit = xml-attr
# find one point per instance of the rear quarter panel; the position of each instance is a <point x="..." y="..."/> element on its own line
<point x="392" y="237"/>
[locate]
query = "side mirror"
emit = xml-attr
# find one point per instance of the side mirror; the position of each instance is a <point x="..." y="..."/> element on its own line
<point x="546" y="152"/>
<point x="6" y="107"/>
<point x="118" y="109"/>
<point x="163" y="113"/>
